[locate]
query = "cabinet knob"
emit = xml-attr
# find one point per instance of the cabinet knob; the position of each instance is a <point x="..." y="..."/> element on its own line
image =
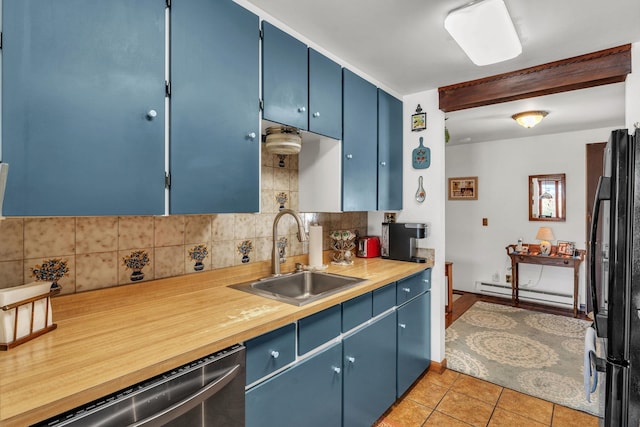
<point x="407" y="290"/>
<point x="302" y="109"/>
<point x="152" y="114"/>
<point x="316" y="114"/>
<point x="383" y="163"/>
<point x="275" y="354"/>
<point x="425" y="280"/>
<point x="403" y="325"/>
<point x="349" y="156"/>
<point x="336" y="369"/>
<point x="351" y="359"/>
<point x="252" y="135"/>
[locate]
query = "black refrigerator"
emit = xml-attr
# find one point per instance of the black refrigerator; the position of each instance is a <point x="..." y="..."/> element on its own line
<point x="614" y="279"/>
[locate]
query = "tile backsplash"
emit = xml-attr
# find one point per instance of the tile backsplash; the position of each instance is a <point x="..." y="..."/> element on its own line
<point x="99" y="252"/>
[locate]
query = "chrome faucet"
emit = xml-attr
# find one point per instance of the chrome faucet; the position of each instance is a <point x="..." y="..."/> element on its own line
<point x="275" y="253"/>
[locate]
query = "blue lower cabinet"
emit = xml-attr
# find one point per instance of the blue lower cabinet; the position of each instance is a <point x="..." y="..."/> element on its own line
<point x="270" y="352"/>
<point x="414" y="340"/>
<point x="308" y="394"/>
<point x="318" y="328"/>
<point x="369" y="372"/>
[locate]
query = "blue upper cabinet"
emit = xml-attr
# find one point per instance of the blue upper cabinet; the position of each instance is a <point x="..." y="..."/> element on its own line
<point x="284" y="78"/>
<point x="78" y="81"/>
<point x="325" y="96"/>
<point x="215" y="133"/>
<point x="389" y="152"/>
<point x="359" y="144"/>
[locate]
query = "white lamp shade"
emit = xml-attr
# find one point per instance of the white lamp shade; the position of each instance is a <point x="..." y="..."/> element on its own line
<point x="484" y="31"/>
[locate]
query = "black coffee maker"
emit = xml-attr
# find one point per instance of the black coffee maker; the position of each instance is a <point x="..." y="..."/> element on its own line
<point x="399" y="240"/>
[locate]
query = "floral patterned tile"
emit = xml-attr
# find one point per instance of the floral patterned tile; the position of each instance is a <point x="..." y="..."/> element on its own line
<point x="197" y="258"/>
<point x="197" y="228"/>
<point x="11" y="274"/>
<point x="67" y="281"/>
<point x="222" y="227"/>
<point x="169" y="261"/>
<point x="244" y="252"/>
<point x="135" y="265"/>
<point x="135" y="232"/>
<point x="282" y="200"/>
<point x="96" y="234"/>
<point x="46" y="236"/>
<point x="168" y="230"/>
<point x="96" y="271"/>
<point x="11" y="236"/>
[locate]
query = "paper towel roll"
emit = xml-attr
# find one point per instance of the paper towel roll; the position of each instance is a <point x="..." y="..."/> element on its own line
<point x="315" y="245"/>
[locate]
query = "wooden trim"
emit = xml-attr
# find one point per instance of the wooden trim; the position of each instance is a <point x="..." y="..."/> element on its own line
<point x="593" y="69"/>
<point x="438" y="368"/>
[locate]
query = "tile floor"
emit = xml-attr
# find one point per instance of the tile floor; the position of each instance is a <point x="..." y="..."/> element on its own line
<point x="452" y="399"/>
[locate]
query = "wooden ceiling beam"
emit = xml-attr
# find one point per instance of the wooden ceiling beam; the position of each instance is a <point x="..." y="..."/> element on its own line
<point x="593" y="69"/>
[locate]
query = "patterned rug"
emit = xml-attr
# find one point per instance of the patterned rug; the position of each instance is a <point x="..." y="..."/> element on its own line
<point x="535" y="353"/>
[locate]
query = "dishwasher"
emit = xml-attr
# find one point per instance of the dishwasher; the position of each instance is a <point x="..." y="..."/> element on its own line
<point x="206" y="392"/>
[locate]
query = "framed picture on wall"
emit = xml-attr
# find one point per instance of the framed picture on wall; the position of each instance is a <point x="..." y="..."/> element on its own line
<point x="463" y="188"/>
<point x="418" y="120"/>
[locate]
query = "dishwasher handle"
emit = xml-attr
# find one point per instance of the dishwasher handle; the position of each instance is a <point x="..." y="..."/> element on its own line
<point x="174" y="411"/>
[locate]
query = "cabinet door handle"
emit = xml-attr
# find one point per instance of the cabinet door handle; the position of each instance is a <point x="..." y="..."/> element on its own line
<point x="425" y="280"/>
<point x="351" y="359"/>
<point x="316" y="114"/>
<point x="302" y="109"/>
<point x="402" y="325"/>
<point x="275" y="354"/>
<point x="383" y="163"/>
<point x="252" y="135"/>
<point x="152" y="114"/>
<point x="407" y="290"/>
<point x="349" y="156"/>
<point x="336" y="369"/>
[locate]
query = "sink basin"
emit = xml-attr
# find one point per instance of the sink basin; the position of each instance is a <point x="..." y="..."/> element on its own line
<point x="299" y="288"/>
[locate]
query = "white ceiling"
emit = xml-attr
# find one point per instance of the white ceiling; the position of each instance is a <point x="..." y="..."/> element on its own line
<point x="403" y="45"/>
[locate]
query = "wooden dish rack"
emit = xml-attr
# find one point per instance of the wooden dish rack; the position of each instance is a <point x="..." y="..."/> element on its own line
<point x="32" y="334"/>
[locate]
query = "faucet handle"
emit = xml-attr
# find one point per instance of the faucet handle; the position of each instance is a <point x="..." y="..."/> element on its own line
<point x="298" y="267"/>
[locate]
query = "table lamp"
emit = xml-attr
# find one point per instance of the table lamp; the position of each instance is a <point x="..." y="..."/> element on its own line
<point x="544" y="235"/>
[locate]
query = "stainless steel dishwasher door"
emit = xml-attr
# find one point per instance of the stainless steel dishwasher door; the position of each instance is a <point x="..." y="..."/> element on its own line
<point x="207" y="392"/>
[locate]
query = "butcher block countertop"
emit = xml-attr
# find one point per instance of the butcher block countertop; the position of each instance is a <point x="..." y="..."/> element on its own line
<point x="109" y="339"/>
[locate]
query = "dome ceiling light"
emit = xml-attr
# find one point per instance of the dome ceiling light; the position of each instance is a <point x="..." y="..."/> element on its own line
<point x="529" y="119"/>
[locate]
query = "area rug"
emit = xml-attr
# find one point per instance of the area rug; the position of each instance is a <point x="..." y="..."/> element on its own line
<point x="534" y="353"/>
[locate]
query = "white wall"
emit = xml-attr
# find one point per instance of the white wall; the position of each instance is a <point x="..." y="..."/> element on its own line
<point x="431" y="211"/>
<point x="632" y="89"/>
<point x="503" y="168"/>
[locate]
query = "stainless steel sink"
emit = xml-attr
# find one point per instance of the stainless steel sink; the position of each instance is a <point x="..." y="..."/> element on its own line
<point x="299" y="288"/>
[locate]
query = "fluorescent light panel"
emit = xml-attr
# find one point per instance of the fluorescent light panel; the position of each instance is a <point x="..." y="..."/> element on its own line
<point x="484" y="31"/>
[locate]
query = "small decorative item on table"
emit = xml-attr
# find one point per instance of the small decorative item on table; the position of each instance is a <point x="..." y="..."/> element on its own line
<point x="566" y="248"/>
<point x="343" y="244"/>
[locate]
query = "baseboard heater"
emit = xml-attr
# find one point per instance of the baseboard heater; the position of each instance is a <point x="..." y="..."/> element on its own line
<point x="565" y="300"/>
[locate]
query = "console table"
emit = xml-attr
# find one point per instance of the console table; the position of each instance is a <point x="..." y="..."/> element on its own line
<point x="553" y="260"/>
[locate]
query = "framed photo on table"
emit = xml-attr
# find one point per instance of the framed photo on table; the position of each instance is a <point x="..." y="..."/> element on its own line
<point x="464" y="188"/>
<point x="566" y="248"/>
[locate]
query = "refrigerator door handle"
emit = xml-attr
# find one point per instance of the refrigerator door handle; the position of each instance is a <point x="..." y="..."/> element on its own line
<point x="603" y="192"/>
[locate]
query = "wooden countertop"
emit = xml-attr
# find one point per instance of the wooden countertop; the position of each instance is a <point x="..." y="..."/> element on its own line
<point x="109" y="339"/>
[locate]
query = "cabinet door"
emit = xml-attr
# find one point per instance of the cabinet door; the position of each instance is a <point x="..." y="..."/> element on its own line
<point x="215" y="142"/>
<point x="389" y="152"/>
<point x="78" y="79"/>
<point x="325" y="96"/>
<point x="284" y="78"/>
<point x="359" y="144"/>
<point x="308" y="394"/>
<point x="369" y="372"/>
<point x="414" y="340"/>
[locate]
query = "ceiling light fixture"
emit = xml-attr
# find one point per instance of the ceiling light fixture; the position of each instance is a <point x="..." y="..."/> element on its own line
<point x="485" y="32"/>
<point x="529" y="119"/>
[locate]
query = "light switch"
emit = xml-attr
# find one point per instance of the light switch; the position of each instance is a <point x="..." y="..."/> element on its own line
<point x="485" y="221"/>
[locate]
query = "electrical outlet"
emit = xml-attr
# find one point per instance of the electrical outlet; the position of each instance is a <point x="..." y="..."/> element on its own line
<point x="485" y="222"/>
